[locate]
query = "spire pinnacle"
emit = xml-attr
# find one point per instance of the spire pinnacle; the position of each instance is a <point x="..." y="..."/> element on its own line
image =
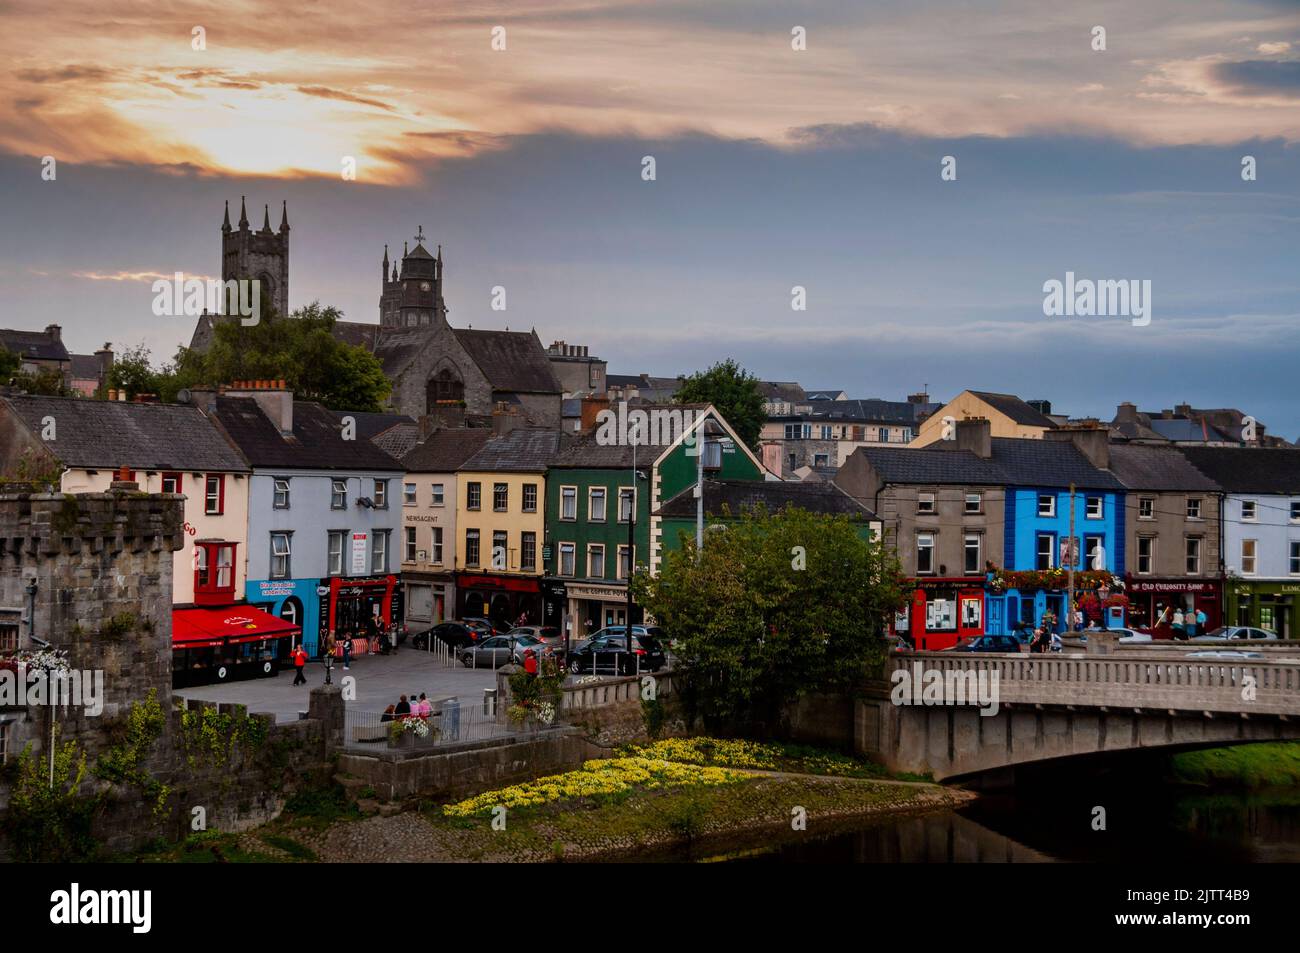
<point x="266" y="221"/>
<point x="243" y="213"/>
<point x="284" y="215"/>
<point x="225" y="224"/>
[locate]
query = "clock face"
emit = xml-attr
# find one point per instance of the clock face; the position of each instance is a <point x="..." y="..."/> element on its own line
<point x="424" y="286"/>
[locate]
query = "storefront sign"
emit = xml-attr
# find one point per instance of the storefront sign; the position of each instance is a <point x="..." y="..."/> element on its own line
<point x="1173" y="585"/>
<point x="599" y="593"/>
<point x="358" y="553"/>
<point x="271" y="589"/>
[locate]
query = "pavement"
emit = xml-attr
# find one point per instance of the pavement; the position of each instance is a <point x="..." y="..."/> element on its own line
<point x="380" y="680"/>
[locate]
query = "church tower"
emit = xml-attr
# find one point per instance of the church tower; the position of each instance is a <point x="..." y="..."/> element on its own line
<point x="261" y="254"/>
<point x="412" y="296"/>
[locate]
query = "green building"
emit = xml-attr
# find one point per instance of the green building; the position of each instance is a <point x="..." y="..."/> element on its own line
<point x="587" y="492"/>
<point x="725" y="500"/>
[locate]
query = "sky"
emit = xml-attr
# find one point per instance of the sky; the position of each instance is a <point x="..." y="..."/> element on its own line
<point x="775" y="168"/>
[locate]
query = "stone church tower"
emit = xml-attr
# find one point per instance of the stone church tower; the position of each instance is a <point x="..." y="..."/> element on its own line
<point x="412" y="296"/>
<point x="263" y="254"/>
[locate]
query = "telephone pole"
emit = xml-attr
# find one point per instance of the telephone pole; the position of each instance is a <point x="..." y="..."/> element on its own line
<point x="1072" y="550"/>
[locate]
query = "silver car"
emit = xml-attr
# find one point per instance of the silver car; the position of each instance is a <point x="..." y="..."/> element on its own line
<point x="1237" y="633"/>
<point x="499" y="650"/>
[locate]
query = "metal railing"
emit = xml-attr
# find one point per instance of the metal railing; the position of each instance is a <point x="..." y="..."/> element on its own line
<point x="449" y="723"/>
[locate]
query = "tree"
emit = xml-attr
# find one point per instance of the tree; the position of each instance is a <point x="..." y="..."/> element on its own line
<point x="734" y="392"/>
<point x="134" y="373"/>
<point x="300" y="349"/>
<point x="9" y="364"/>
<point x="775" y="606"/>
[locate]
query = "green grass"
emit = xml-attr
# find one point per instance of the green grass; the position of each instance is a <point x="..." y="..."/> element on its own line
<point x="291" y="847"/>
<point x="1270" y="764"/>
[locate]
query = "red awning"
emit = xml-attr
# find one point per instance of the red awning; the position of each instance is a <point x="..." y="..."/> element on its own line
<point x="205" y="627"/>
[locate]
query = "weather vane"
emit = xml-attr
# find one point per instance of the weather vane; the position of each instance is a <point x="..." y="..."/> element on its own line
<point x="419" y="234"/>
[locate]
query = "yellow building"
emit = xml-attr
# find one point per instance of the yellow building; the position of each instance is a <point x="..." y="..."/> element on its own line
<point x="501" y="530"/>
<point x="1007" y="414"/>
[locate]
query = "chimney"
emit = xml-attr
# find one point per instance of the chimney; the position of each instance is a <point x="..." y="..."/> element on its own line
<point x="54" y="331"/>
<point x="1092" y="439"/>
<point x="122" y="482"/>
<point x="505" y="418"/>
<point x="974" y="434"/>
<point x="591" y="408"/>
<point x="273" y="398"/>
<point x="1126" y="413"/>
<point x="1183" y="410"/>
<point x="104" y="357"/>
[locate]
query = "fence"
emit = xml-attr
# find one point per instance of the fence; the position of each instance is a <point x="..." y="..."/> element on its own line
<point x="450" y="723"/>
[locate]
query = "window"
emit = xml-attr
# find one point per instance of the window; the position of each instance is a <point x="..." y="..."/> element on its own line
<point x="500" y="497"/>
<point x="925" y="503"/>
<point x="596" y="561"/>
<point x="1247" y="557"/>
<point x="1248" y="511"/>
<point x="410" y="545"/>
<point x="568" y="503"/>
<point x="1294" y="554"/>
<point x="924" y="554"/>
<point x="435" y="554"/>
<point x="214" y="494"/>
<point x="1093" y="508"/>
<point x="1146" y="554"/>
<point x="337" y="542"/>
<point x="596" y="504"/>
<point x="1046" y="504"/>
<point x="972" y="554"/>
<point x="792" y="461"/>
<point x="826" y="432"/>
<point x="500" y="549"/>
<point x="1146" y="507"/>
<point x="471" y="547"/>
<point x="1295" y="511"/>
<point x="171" y="483"/>
<point x="381" y="494"/>
<point x="280" y="555"/>
<point x="530" y="497"/>
<point x="473" y="496"/>
<point x="408" y="494"/>
<point x="974" y="502"/>
<point x="624" y="504"/>
<point x="281" y="498"/>
<point x="624" y="567"/>
<point x="435" y="494"/>
<point x="379" y="551"/>
<point x="1045" y="553"/>
<point x="528" y="552"/>
<point x="8" y="636"/>
<point x="338" y="494"/>
<point x="1194" y="508"/>
<point x="821" y="460"/>
<point x="793" y="432"/>
<point x="566" y="559"/>
<point x="1094" y="552"/>
<point x="4" y="742"/>
<point x="1193" y="555"/>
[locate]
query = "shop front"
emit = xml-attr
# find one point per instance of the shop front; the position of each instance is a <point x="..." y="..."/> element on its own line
<point x="1267" y="604"/>
<point x="361" y="607"/>
<point x="218" y="644"/>
<point x="941" y="613"/>
<point x="1149" y="597"/>
<point x="504" y="599"/>
<point x="296" y="601"/>
<point x="430" y="599"/>
<point x="592" y="607"/>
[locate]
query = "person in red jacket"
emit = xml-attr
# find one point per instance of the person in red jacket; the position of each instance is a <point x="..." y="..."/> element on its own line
<point x="299" y="663"/>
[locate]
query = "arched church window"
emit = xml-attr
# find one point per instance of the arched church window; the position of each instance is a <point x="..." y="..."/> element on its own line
<point x="444" y="387"/>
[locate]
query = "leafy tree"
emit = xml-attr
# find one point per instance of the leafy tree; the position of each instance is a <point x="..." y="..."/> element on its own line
<point x="9" y="364"/>
<point x="300" y="350"/>
<point x="755" y="631"/>
<point x="133" y="372"/>
<point x="46" y="382"/>
<point x="734" y="392"/>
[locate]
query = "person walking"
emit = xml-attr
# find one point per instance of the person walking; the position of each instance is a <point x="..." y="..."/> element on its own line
<point x="347" y="652"/>
<point x="299" y="663"/>
<point x="1180" y="634"/>
<point x="1200" y="621"/>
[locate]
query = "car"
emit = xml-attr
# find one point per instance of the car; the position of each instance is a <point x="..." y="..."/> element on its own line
<point x="1225" y="654"/>
<point x="497" y="650"/>
<point x="989" y="643"/>
<point x="454" y="634"/>
<point x="549" y="634"/>
<point x="606" y="653"/>
<point x="480" y="624"/>
<point x="1236" y="633"/>
<point x="1125" y="634"/>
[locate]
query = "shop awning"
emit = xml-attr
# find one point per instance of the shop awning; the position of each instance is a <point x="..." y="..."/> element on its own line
<point x="206" y="627"/>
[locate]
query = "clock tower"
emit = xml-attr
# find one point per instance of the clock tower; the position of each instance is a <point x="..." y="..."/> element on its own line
<point x="412" y="295"/>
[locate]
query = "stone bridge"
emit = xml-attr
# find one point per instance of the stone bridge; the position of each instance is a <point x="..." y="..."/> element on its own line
<point x="957" y="715"/>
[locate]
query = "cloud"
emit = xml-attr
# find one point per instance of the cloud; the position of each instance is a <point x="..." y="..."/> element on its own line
<point x="1261" y="77"/>
<point x="1273" y="49"/>
<point x="324" y="92"/>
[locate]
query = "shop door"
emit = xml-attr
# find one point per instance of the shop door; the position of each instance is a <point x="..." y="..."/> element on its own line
<point x="994" y="624"/>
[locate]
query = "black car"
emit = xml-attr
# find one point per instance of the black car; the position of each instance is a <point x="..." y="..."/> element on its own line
<point x="990" y="643"/>
<point x="605" y="653"/>
<point x="455" y="634"/>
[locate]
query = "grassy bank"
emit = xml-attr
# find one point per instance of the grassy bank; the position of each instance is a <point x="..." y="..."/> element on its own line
<point x="1272" y="764"/>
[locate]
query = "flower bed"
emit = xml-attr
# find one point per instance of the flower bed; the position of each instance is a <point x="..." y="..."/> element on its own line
<point x="755" y="755"/>
<point x="599" y="777"/>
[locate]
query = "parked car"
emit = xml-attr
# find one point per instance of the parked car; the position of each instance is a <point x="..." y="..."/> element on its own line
<point x="1236" y="633"/>
<point x="549" y="634"/>
<point x="497" y="650"/>
<point x="1225" y="654"/>
<point x="606" y="651"/>
<point x="478" y="623"/>
<point x="989" y="643"/>
<point x="455" y="634"/>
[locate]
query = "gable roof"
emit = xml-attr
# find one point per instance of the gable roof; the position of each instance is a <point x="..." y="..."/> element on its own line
<point x="1248" y="469"/>
<point x="85" y="367"/>
<point x="1014" y="461"/>
<point x="523" y="450"/>
<point x="316" y="444"/>
<point x="102" y="434"/>
<point x="37" y="345"/>
<point x="1015" y="408"/>
<point x="775" y="495"/>
<point x="1141" y="467"/>
<point x="510" y="360"/>
<point x="397" y="440"/>
<point x="445" y="450"/>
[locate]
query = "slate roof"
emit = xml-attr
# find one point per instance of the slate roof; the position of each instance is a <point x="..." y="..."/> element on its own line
<point x="1013" y="462"/>
<point x="1141" y="467"/>
<point x="738" y="495"/>
<point x="871" y="410"/>
<point x="510" y="360"/>
<point x="781" y="390"/>
<point x="587" y="452"/>
<point x="356" y="333"/>
<point x="445" y="450"/>
<point x="397" y="440"/>
<point x="39" y="345"/>
<point x="1015" y="408"/>
<point x="85" y="367"/>
<point x="317" y="441"/>
<point x="523" y="450"/>
<point x="1180" y="428"/>
<point x="370" y="425"/>
<point x="101" y="434"/>
<point x="1248" y="469"/>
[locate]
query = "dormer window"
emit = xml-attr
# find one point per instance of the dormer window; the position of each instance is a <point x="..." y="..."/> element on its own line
<point x="214" y="571"/>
